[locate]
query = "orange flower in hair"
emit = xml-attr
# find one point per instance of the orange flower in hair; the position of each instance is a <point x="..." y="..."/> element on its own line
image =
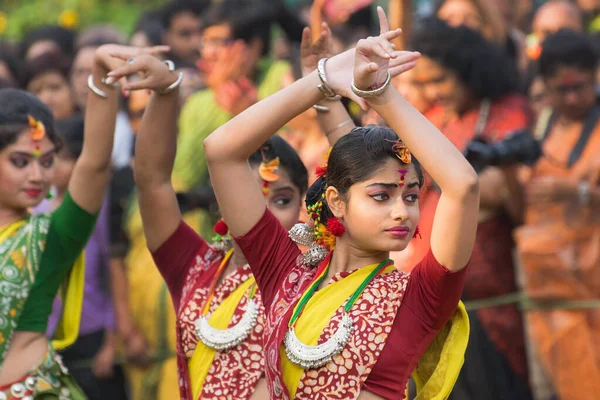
<point x="37" y="129"/>
<point x="402" y="151"/>
<point x="268" y="172"/>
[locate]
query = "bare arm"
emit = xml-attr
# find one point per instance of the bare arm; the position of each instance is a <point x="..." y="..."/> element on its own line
<point x="336" y="122"/>
<point x="455" y="221"/>
<point x="227" y="150"/>
<point x="92" y="170"/>
<point x="155" y="149"/>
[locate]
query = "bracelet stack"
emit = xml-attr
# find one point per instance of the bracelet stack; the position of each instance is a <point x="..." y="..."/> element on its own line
<point x="374" y="92"/>
<point x="324" y="86"/>
<point x="101" y="93"/>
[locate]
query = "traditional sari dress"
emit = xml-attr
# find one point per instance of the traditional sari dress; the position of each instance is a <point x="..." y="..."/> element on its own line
<point x="37" y="255"/>
<point x="495" y="362"/>
<point x="559" y="248"/>
<point x="189" y="266"/>
<point x="396" y="319"/>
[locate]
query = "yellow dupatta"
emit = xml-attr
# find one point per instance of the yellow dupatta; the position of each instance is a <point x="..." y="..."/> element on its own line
<point x="72" y="300"/>
<point x="316" y="316"/>
<point x="203" y="355"/>
<point x="438" y="368"/>
<point x="72" y="295"/>
<point x="10" y="229"/>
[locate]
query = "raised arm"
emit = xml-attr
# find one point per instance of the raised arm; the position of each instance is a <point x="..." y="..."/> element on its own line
<point x="455" y="221"/>
<point x="92" y="171"/>
<point x="155" y="147"/>
<point x="334" y="119"/>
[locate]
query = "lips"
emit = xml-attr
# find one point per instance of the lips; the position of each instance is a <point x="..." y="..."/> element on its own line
<point x="399" y="231"/>
<point x="33" y="192"/>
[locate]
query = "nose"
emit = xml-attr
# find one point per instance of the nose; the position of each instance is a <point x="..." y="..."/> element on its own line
<point x="35" y="172"/>
<point x="400" y="210"/>
<point x="431" y="93"/>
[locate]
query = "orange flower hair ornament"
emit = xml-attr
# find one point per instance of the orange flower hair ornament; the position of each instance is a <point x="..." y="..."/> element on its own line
<point x="322" y="170"/>
<point x="402" y="151"/>
<point x="268" y="172"/>
<point x="37" y="132"/>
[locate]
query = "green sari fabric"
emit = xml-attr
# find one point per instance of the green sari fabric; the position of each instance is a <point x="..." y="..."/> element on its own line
<point x="21" y="246"/>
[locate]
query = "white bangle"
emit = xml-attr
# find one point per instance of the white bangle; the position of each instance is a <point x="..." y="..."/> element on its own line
<point x="374" y="92"/>
<point x="324" y="86"/>
<point x="95" y="89"/>
<point x="322" y="109"/>
<point x="172" y="86"/>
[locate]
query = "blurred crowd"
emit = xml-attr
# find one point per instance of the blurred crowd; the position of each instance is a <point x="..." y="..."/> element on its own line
<point x="517" y="92"/>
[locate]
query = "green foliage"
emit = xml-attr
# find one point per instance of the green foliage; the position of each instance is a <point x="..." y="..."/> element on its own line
<point x="23" y="15"/>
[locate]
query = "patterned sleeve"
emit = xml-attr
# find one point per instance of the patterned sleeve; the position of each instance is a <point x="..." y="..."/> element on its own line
<point x="270" y="253"/>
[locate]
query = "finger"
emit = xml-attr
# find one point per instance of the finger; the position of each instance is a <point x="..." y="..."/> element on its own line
<point x="397" y="70"/>
<point x="305" y="43"/>
<point x="156" y="49"/>
<point x="138" y="85"/>
<point x="401" y="57"/>
<point x="387" y="46"/>
<point x="391" y="35"/>
<point x="120" y="55"/>
<point x="384" y="25"/>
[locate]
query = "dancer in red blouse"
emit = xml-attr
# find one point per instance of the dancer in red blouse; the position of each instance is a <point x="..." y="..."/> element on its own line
<point x="367" y="326"/>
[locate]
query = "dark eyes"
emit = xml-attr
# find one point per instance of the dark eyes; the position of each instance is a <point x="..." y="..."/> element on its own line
<point x="19" y="162"/>
<point x="282" y="201"/>
<point x="379" y="197"/>
<point x="22" y="162"/>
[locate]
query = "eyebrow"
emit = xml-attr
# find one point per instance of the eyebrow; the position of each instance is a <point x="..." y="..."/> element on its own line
<point x="284" y="188"/>
<point x="393" y="185"/>
<point x="385" y="185"/>
<point x="31" y="155"/>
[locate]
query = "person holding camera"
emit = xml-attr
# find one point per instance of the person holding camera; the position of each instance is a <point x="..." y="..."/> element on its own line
<point x="472" y="84"/>
<point x="560" y="240"/>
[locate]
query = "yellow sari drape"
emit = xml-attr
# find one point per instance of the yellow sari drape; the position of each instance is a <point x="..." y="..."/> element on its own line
<point x="316" y="316"/>
<point x="203" y="356"/>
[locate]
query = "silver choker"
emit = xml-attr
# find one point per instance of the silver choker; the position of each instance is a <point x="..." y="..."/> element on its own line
<point x="312" y="357"/>
<point x="225" y="339"/>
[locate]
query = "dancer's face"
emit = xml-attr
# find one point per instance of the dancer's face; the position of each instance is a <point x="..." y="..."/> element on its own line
<point x="379" y="213"/>
<point x="284" y="199"/>
<point x="25" y="178"/>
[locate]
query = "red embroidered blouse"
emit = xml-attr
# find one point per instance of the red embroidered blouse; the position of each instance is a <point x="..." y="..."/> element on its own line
<point x="430" y="300"/>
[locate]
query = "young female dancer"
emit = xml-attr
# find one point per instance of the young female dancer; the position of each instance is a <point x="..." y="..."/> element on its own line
<point x="39" y="252"/>
<point x="220" y="316"/>
<point x="364" y="331"/>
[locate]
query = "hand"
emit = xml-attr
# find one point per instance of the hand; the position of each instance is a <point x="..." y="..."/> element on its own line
<point x="230" y="65"/>
<point x="373" y="56"/>
<point x="339" y="68"/>
<point x="107" y="62"/>
<point x="549" y="189"/>
<point x="103" y="363"/>
<point x="154" y="73"/>
<point x="310" y="54"/>
<point x="136" y="349"/>
<point x="235" y="97"/>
